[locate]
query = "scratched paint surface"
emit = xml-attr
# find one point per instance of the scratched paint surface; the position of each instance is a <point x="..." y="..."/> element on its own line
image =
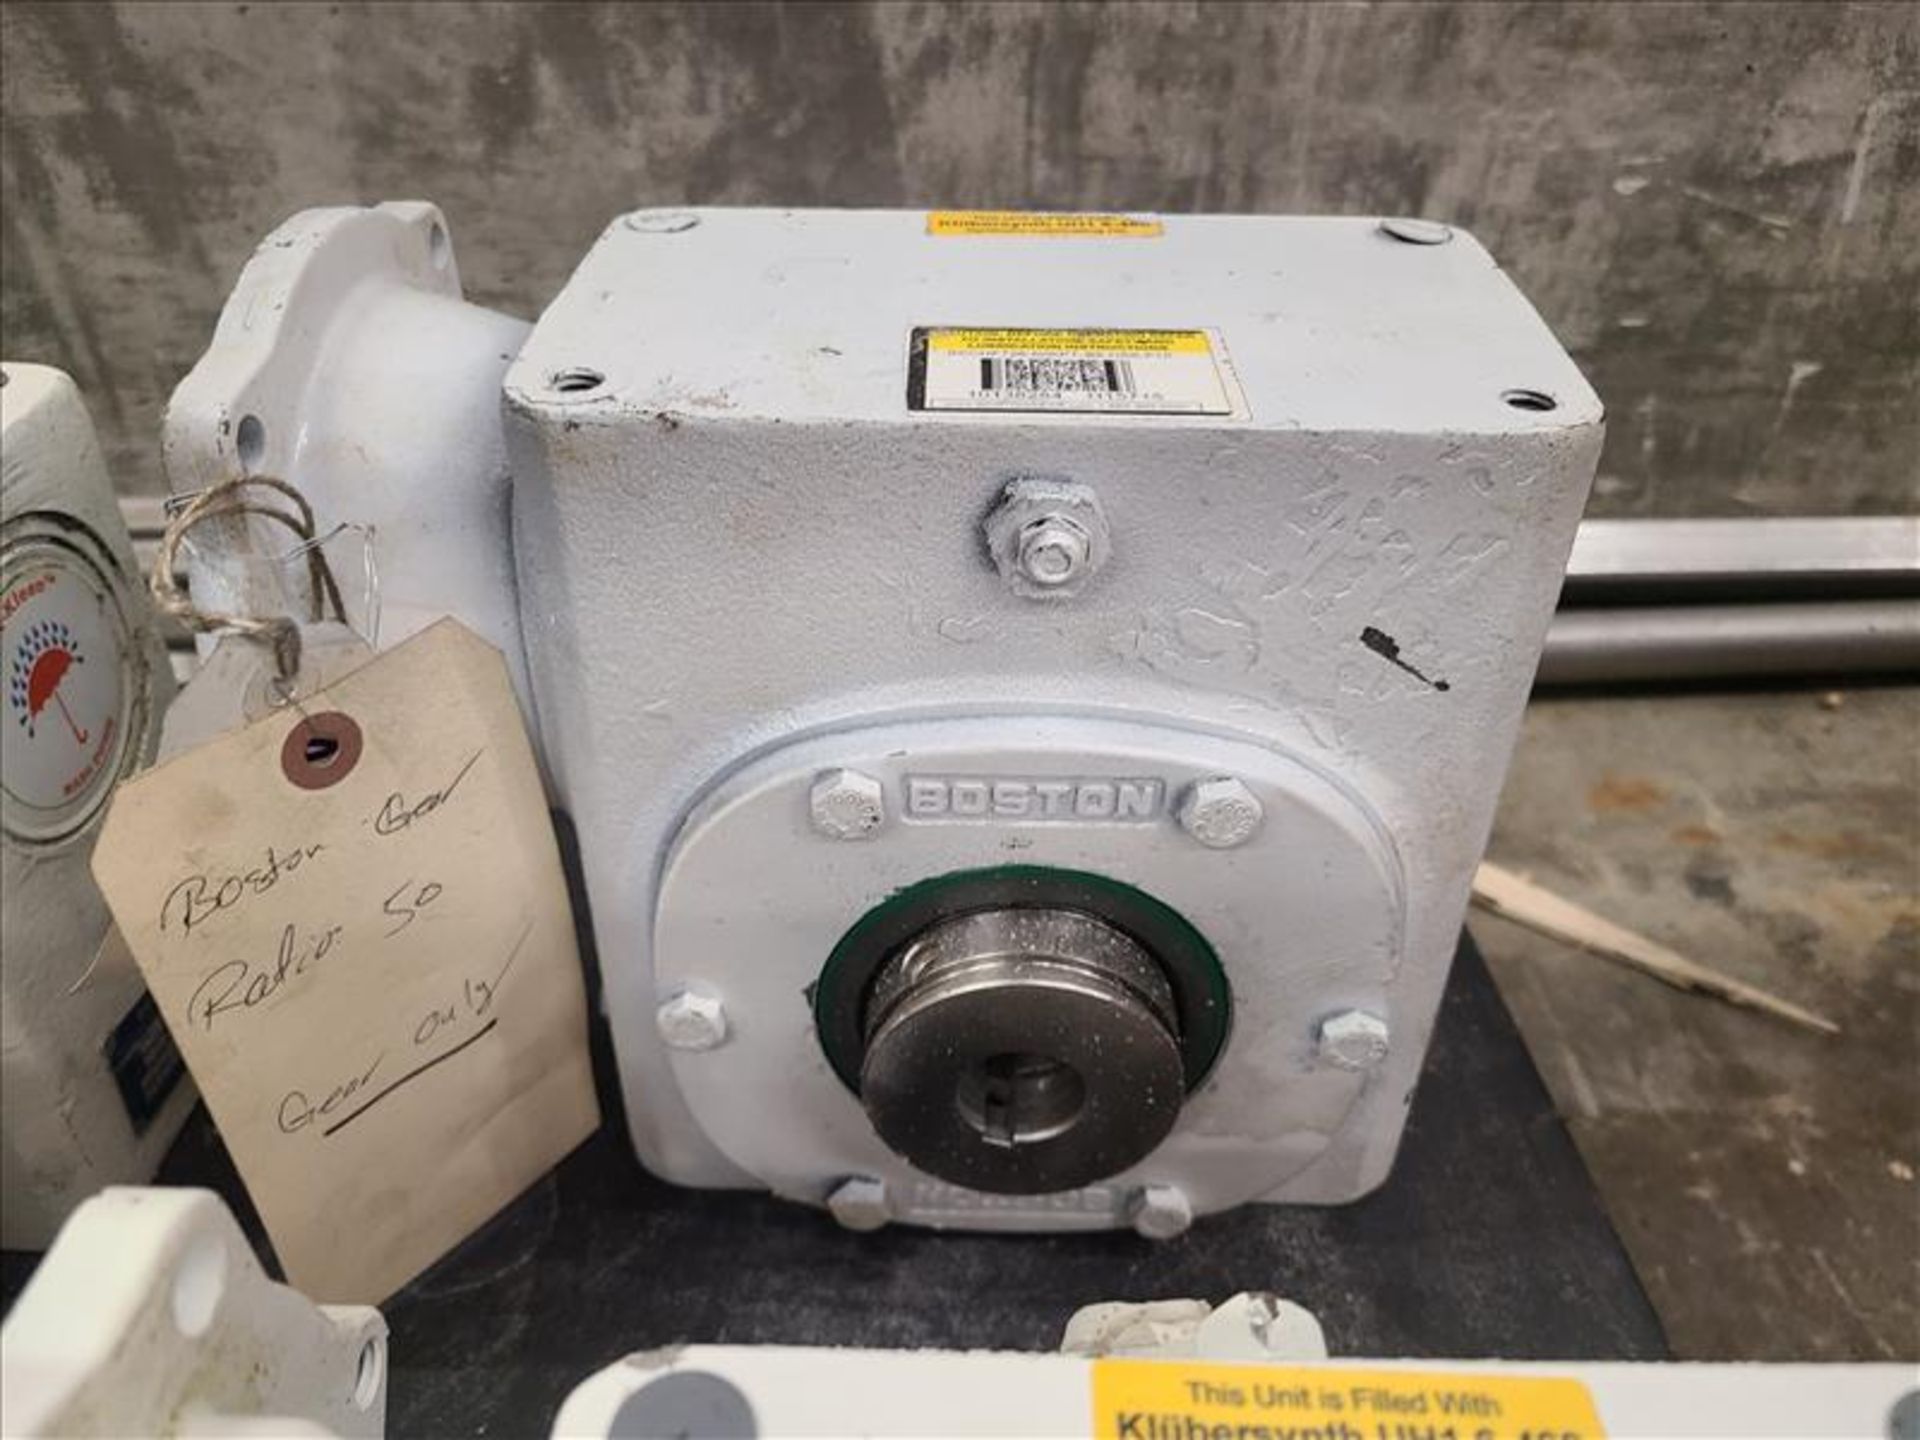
<point x="1713" y="206"/>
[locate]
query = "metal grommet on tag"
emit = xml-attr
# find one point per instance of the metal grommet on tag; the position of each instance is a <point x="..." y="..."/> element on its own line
<point x="321" y="750"/>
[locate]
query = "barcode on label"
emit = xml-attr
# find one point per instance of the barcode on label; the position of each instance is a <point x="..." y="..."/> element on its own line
<point x="1084" y="371"/>
<point x="1035" y="373"/>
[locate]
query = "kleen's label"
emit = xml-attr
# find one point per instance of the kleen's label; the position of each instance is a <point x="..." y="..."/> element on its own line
<point x="64" y="646"/>
<point x="1028" y="222"/>
<point x="1175" y="1400"/>
<point x="1140" y="372"/>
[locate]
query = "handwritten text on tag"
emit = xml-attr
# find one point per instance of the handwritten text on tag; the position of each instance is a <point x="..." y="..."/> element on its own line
<point x="352" y="916"/>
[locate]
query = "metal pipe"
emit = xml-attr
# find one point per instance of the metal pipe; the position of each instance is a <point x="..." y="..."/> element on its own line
<point x="1642" y="561"/>
<point x="1732" y="642"/>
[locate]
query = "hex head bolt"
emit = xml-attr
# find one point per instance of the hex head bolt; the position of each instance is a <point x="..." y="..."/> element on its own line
<point x="1160" y="1212"/>
<point x="847" y="805"/>
<point x="860" y="1203"/>
<point x="1048" y="537"/>
<point x="692" y="1021"/>
<point x="1353" y="1040"/>
<point x="1220" y="813"/>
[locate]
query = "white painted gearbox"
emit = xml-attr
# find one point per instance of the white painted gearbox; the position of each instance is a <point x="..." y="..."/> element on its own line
<point x="1138" y="615"/>
<point x="91" y="1088"/>
<point x="1208" y="561"/>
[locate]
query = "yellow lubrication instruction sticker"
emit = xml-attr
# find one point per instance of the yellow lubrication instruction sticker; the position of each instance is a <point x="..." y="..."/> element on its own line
<point x="1175" y="1400"/>
<point x="1079" y="371"/>
<point x="1073" y="342"/>
<point x="1029" y="222"/>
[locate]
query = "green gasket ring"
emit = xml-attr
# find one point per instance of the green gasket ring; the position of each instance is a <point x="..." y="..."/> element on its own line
<point x="1200" y="991"/>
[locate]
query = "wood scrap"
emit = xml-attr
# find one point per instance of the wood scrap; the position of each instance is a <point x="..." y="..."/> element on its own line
<point x="1513" y="897"/>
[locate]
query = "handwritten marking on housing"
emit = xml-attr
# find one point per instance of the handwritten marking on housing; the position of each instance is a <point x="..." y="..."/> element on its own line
<point x="1388" y="649"/>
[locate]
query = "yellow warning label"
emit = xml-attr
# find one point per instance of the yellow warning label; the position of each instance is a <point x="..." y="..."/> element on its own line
<point x="1173" y="1400"/>
<point x="1072" y="342"/>
<point x="1027" y="222"/>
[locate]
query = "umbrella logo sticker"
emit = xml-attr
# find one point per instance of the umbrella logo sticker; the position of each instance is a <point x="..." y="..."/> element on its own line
<point x="67" y="655"/>
<point x="40" y="663"/>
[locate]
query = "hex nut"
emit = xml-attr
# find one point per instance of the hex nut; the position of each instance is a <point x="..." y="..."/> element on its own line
<point x="1220" y="813"/>
<point x="692" y="1021"/>
<point x="1048" y="538"/>
<point x="847" y="805"/>
<point x="1160" y="1212"/>
<point x="1353" y="1040"/>
<point x="860" y="1203"/>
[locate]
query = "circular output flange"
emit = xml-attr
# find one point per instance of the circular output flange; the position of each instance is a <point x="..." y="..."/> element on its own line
<point x="1022" y="1030"/>
<point x="1022" y="1051"/>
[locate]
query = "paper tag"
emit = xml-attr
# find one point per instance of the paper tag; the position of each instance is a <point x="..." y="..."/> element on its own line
<point x="1176" y="1400"/>
<point x="1141" y="372"/>
<point x="353" y="918"/>
<point x="1028" y="222"/>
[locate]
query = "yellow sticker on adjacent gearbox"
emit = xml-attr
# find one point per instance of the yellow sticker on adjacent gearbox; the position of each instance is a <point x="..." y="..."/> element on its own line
<point x="1175" y="1400"/>
<point x="1027" y="222"/>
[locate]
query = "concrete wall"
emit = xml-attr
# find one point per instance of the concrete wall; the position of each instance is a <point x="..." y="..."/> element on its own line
<point x="1717" y="208"/>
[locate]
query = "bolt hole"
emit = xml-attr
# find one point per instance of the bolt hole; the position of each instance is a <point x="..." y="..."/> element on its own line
<point x="1417" y="232"/>
<point x="198" y="1284"/>
<point x="661" y="222"/>
<point x="1537" y="400"/>
<point x="576" y="381"/>
<point x="1015" y="1098"/>
<point x="250" y="442"/>
<point x="439" y="251"/>
<point x="369" y="1372"/>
